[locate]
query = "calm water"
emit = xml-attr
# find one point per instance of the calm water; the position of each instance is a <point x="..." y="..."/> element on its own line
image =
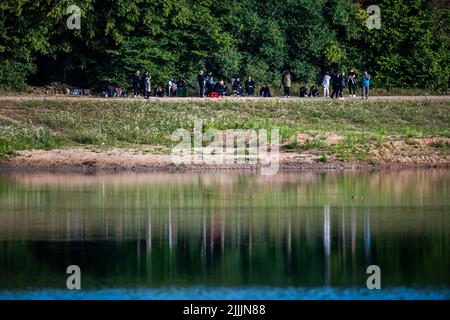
<point x="226" y="236"/>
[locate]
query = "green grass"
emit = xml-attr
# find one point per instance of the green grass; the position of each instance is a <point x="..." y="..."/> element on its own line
<point x="13" y="138"/>
<point x="52" y="124"/>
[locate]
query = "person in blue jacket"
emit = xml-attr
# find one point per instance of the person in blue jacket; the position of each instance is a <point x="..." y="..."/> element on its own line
<point x="365" y="85"/>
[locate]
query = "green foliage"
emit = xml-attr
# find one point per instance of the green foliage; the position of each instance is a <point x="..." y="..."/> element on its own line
<point x="13" y="138"/>
<point x="13" y="74"/>
<point x="236" y="37"/>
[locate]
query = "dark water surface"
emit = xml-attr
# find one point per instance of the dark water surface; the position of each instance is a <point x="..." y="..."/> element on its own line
<point x="226" y="235"/>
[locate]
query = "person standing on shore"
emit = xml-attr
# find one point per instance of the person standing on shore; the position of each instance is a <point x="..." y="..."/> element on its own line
<point x="335" y="85"/>
<point x="287" y="83"/>
<point x="136" y="83"/>
<point x="209" y="83"/>
<point x="352" y="83"/>
<point x="250" y="86"/>
<point x="342" y="84"/>
<point x="365" y="85"/>
<point x="201" y="84"/>
<point x="326" y="85"/>
<point x="146" y="79"/>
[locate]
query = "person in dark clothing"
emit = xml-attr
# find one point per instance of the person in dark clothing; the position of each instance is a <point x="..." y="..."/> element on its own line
<point x="342" y="85"/>
<point x="335" y="83"/>
<point x="265" y="91"/>
<point x="313" y="92"/>
<point x="182" y="86"/>
<point x="352" y="83"/>
<point x="136" y="82"/>
<point x="220" y="88"/>
<point x="250" y="86"/>
<point x="209" y="83"/>
<point x="110" y="91"/>
<point x="201" y="84"/>
<point x="237" y="83"/>
<point x="303" y="92"/>
<point x="238" y="89"/>
<point x="173" y="89"/>
<point x="159" y="92"/>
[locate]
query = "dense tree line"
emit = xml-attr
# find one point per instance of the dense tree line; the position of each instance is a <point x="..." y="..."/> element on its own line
<point x="232" y="37"/>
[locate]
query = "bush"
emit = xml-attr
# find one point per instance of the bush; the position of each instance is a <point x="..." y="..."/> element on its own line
<point x="13" y="138"/>
<point x="13" y="75"/>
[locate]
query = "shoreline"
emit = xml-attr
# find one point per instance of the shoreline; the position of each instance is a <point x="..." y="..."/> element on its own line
<point x="193" y="99"/>
<point x="118" y="161"/>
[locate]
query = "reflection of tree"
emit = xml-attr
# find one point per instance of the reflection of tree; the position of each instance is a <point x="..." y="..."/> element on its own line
<point x="231" y="231"/>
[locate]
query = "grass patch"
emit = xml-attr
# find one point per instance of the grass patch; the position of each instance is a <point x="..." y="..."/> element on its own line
<point x="138" y="124"/>
<point x="13" y="138"/>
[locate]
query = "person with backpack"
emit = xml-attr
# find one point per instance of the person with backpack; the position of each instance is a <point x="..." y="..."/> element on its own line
<point x="136" y="83"/>
<point x="287" y="83"/>
<point x="365" y="85"/>
<point x="326" y="85"/>
<point x="250" y="86"/>
<point x="352" y="83"/>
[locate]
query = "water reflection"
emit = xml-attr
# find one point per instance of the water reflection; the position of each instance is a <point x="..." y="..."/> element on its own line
<point x="216" y="230"/>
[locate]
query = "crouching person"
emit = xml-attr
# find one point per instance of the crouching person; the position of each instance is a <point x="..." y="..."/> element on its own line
<point x="264" y="91"/>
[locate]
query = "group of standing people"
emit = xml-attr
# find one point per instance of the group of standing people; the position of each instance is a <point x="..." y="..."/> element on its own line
<point x="208" y="87"/>
<point x="142" y="83"/>
<point x="339" y="81"/>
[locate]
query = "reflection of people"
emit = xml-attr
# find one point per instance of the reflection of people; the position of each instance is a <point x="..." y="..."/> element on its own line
<point x="264" y="91"/>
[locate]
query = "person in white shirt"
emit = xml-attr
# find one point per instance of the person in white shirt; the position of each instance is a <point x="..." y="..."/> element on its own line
<point x="326" y="85"/>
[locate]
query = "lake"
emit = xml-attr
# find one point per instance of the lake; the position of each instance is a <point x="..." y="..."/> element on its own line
<point x="226" y="235"/>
